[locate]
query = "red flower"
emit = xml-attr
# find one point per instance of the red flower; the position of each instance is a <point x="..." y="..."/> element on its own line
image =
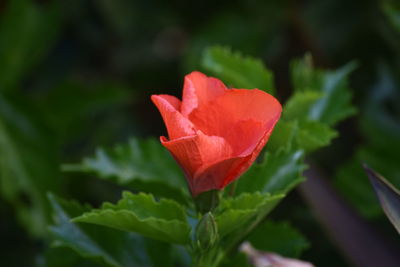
<point x="216" y="133"/>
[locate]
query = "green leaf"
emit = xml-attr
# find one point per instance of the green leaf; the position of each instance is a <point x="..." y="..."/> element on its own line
<point x="279" y="237"/>
<point x="142" y="164"/>
<point x="28" y="163"/>
<point x="237" y="70"/>
<point x="283" y="136"/>
<point x="334" y="105"/>
<point x="299" y="105"/>
<point x="235" y="212"/>
<point x="27" y="31"/>
<point x="313" y="135"/>
<point x="164" y="220"/>
<point x="381" y="131"/>
<point x="388" y="196"/>
<point x="106" y="246"/>
<point x="278" y="173"/>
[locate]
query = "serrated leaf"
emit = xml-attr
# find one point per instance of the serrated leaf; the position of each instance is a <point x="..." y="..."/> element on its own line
<point x="298" y="106"/>
<point x="334" y="105"/>
<point x="313" y="135"/>
<point x="234" y="213"/>
<point x="278" y="173"/>
<point x="27" y="31"/>
<point x="164" y="220"/>
<point x="141" y="164"/>
<point x="388" y="196"/>
<point x="278" y="237"/>
<point x="237" y="70"/>
<point x="106" y="246"/>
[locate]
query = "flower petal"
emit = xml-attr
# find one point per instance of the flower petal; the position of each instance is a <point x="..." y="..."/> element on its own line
<point x="177" y="125"/>
<point x="193" y="152"/>
<point x="219" y="174"/>
<point x="199" y="89"/>
<point x="240" y="116"/>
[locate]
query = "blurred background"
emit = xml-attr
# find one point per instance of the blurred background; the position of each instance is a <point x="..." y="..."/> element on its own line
<point x="78" y="74"/>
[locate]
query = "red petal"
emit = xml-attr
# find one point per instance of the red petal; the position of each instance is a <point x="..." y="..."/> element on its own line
<point x="177" y="125"/>
<point x="199" y="89"/>
<point x="241" y="116"/>
<point x="194" y="152"/>
<point x="218" y="175"/>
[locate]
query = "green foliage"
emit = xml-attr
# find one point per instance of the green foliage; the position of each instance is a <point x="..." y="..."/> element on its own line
<point x="88" y="99"/>
<point x="278" y="173"/>
<point x="28" y="163"/>
<point x="234" y="213"/>
<point x="381" y="131"/>
<point x="27" y="32"/>
<point x="388" y="195"/>
<point x="100" y="244"/>
<point x="237" y="70"/>
<point x="334" y="104"/>
<point x="164" y="220"/>
<point x="143" y="165"/>
<point x="278" y="237"/>
<point x="313" y="135"/>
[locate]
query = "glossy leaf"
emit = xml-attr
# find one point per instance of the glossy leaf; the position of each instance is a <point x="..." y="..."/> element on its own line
<point x="106" y="246"/>
<point x="237" y="70"/>
<point x="388" y="196"/>
<point x="231" y="214"/>
<point x="278" y="173"/>
<point x="164" y="220"/>
<point x="142" y="164"/>
<point x="278" y="237"/>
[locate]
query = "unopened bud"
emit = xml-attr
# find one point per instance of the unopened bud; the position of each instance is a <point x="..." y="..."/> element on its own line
<point x="206" y="231"/>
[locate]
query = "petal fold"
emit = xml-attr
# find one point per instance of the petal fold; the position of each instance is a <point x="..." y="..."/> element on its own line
<point x="199" y="89"/>
<point x="177" y="125"/>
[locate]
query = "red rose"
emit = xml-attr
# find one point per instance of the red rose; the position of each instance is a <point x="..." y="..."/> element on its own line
<point x="216" y="133"/>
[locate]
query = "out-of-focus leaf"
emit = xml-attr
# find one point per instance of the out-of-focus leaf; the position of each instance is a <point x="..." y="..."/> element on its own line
<point x="106" y="246"/>
<point x="142" y="164"/>
<point x="283" y="136"/>
<point x="27" y="31"/>
<point x="380" y="128"/>
<point x="313" y="135"/>
<point x="164" y="220"/>
<point x="278" y="173"/>
<point x="238" y="259"/>
<point x="334" y="104"/>
<point x="236" y="70"/>
<point x="28" y="163"/>
<point x="279" y="237"/>
<point x="64" y="257"/>
<point x="87" y="100"/>
<point x="298" y="106"/>
<point x="388" y="196"/>
<point x="233" y="213"/>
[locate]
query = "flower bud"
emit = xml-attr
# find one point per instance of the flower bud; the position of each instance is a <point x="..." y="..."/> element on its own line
<point x="206" y="232"/>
